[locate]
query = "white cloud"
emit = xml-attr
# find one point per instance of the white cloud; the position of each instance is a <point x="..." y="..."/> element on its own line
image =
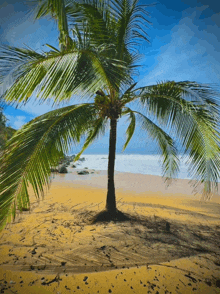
<point x="192" y="54"/>
<point x="16" y="122"/>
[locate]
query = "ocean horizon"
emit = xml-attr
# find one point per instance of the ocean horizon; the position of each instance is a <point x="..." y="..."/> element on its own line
<point x="149" y="164"/>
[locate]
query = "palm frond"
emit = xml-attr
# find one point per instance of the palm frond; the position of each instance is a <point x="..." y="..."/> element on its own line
<point x="120" y="24"/>
<point x="57" y="75"/>
<point x="34" y="149"/>
<point x="131" y="127"/>
<point x="132" y="23"/>
<point x="15" y="63"/>
<point x="192" y="112"/>
<point x="55" y="9"/>
<point x="161" y="98"/>
<point x="170" y="165"/>
<point x="93" y="13"/>
<point x="96" y="130"/>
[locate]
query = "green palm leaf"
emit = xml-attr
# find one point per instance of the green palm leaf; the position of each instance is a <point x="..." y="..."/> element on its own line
<point x="34" y="149"/>
<point x="192" y="111"/>
<point x="56" y="9"/>
<point x="96" y="130"/>
<point x="114" y="23"/>
<point x="57" y="75"/>
<point x="170" y="165"/>
<point x="131" y="127"/>
<point x="95" y="14"/>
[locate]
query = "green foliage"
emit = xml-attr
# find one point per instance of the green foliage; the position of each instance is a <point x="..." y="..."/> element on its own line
<point x="5" y="132"/>
<point x="97" y="60"/>
<point x="34" y="149"/>
<point x="3" y="119"/>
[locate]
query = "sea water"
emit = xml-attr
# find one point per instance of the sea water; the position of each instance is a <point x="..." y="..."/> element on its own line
<point x="133" y="163"/>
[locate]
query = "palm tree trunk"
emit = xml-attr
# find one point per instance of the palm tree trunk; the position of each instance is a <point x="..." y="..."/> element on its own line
<point x="111" y="201"/>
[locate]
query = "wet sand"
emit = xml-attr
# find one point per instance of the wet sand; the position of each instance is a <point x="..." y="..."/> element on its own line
<point x="170" y="244"/>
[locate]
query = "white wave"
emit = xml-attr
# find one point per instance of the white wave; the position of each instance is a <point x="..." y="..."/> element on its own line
<point x="133" y="163"/>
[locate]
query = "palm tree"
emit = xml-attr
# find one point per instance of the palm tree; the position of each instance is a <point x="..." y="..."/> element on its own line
<point x="97" y="60"/>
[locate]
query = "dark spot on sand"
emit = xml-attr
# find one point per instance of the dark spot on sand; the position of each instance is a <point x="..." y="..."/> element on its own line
<point x="217" y="283"/>
<point x="193" y="279"/>
<point x="33" y="251"/>
<point x="208" y="283"/>
<point x="85" y="279"/>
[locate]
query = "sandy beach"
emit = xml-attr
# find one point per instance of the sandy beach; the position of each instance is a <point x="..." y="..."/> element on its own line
<point x="169" y="244"/>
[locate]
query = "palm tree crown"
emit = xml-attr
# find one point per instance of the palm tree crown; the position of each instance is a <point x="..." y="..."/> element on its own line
<point x="96" y="59"/>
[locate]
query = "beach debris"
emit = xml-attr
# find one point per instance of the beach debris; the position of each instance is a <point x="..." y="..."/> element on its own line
<point x="56" y="279"/>
<point x="208" y="283"/>
<point x="33" y="251"/>
<point x="83" y="172"/>
<point x="12" y="282"/>
<point x="190" y="277"/>
<point x="73" y="166"/>
<point x="54" y="170"/>
<point x="62" y="170"/>
<point x="63" y="263"/>
<point x="25" y="209"/>
<point x="85" y="279"/>
<point x="168" y="227"/>
<point x="217" y="283"/>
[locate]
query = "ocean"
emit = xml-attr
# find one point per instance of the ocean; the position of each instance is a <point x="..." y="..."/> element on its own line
<point x="133" y="163"/>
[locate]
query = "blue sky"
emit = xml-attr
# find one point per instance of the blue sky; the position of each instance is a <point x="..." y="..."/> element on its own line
<point x="184" y="45"/>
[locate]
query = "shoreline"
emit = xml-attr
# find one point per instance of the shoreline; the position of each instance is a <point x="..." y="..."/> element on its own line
<point x="134" y="182"/>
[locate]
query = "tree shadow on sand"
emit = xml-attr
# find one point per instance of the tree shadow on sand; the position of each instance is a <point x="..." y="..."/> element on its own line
<point x="90" y="240"/>
<point x="173" y="238"/>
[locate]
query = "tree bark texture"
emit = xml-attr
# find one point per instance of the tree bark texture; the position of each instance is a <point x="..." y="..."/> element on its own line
<point x="111" y="200"/>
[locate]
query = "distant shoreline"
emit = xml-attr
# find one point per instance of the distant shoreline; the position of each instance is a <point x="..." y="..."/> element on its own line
<point x="150" y="164"/>
<point x="132" y="182"/>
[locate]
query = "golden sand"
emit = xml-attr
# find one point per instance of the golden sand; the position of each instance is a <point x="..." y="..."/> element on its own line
<point x="170" y="244"/>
